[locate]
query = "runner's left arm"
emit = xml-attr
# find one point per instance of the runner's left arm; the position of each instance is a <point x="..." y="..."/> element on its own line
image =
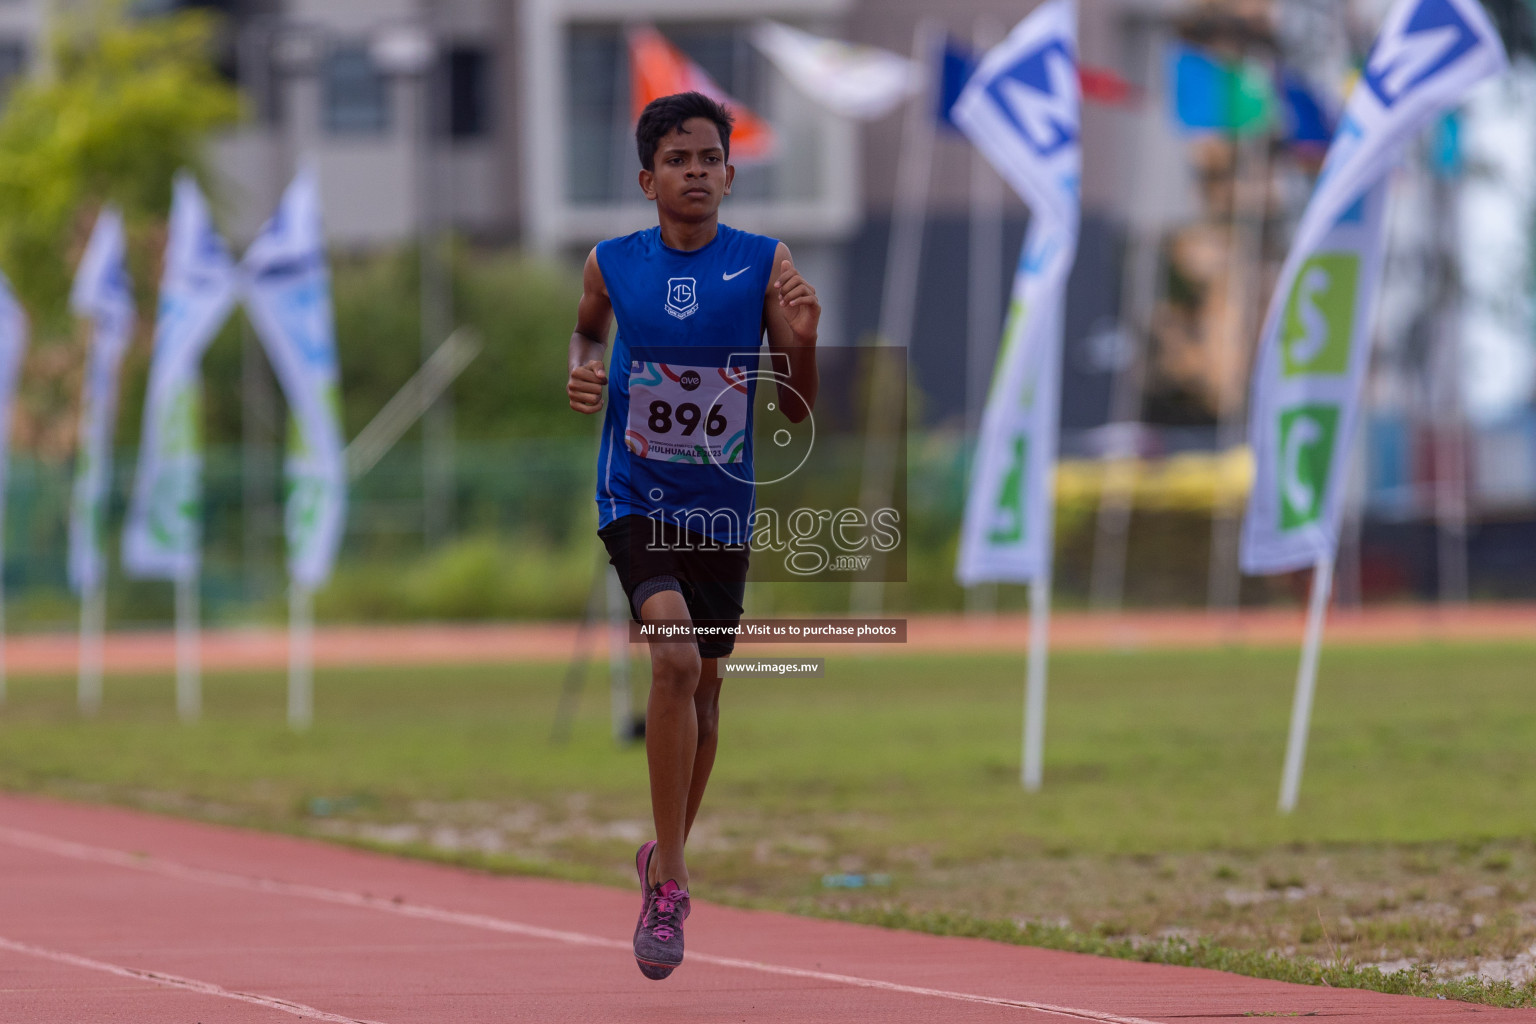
<point x="791" y="314"/>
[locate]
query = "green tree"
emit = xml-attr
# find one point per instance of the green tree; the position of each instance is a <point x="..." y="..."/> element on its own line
<point x="128" y="102"/>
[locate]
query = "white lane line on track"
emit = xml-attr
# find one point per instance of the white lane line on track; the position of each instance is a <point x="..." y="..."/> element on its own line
<point x="171" y="869"/>
<point x="205" y="988"/>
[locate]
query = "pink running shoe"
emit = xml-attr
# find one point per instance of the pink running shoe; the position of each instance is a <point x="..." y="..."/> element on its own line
<point x="659" y="932"/>
<point x="642" y="869"/>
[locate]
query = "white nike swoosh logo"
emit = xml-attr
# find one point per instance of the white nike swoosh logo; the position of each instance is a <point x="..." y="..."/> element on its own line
<point x="732" y="277"/>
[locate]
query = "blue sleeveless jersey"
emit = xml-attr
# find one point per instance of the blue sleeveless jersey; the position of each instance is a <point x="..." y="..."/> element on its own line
<point x="690" y="328"/>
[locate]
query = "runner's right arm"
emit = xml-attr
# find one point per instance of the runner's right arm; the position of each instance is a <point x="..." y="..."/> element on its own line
<point x="588" y="342"/>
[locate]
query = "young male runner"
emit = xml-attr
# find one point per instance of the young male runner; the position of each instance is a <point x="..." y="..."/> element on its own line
<point x="693" y="299"/>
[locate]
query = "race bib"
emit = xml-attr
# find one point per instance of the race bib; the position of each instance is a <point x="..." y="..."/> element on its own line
<point x="692" y="414"/>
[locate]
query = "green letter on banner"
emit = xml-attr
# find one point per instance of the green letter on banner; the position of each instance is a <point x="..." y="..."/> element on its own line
<point x="1320" y="316"/>
<point x="1008" y="514"/>
<point x="1308" y="438"/>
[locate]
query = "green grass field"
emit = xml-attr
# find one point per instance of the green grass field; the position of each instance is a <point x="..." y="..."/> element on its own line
<point x="1415" y="838"/>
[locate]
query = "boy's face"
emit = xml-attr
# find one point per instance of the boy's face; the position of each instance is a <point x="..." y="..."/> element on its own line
<point x="691" y="175"/>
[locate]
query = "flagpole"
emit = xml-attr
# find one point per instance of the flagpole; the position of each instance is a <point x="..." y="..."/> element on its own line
<point x="301" y="657"/>
<point x="1034" y="690"/>
<point x="985" y="293"/>
<point x="1041" y="586"/>
<point x="620" y="695"/>
<point x="258" y="410"/>
<point x="1295" y="510"/>
<point x="984" y="296"/>
<point x="1121" y="459"/>
<point x="1306" y="683"/>
<point x="1225" y="581"/>
<point x="189" y="683"/>
<point x="305" y="364"/>
<point x="100" y="293"/>
<point x="898" y="298"/>
<point x="1445" y="402"/>
<point x="1348" y="574"/>
<point x="93" y="608"/>
<point x="435" y="297"/>
<point x="1009" y="528"/>
<point x="1139" y="296"/>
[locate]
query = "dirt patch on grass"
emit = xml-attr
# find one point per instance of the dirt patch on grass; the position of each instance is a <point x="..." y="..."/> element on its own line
<point x="1447" y="910"/>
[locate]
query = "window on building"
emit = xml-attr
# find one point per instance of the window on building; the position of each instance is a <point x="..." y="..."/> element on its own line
<point x="355" y="94"/>
<point x="13" y="64"/>
<point x="469" y="92"/>
<point x="581" y="145"/>
<point x="601" y="158"/>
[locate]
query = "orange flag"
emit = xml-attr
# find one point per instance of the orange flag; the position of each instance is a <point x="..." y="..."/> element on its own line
<point x="657" y="68"/>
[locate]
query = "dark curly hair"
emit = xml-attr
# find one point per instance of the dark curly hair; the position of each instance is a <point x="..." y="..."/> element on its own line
<point x="666" y="114"/>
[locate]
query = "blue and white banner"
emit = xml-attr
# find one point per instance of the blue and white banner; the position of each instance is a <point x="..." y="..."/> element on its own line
<point x="1022" y="109"/>
<point x="163" y="533"/>
<point x="103" y="294"/>
<point x="13" y="346"/>
<point x="1315" y="348"/>
<point x="288" y="295"/>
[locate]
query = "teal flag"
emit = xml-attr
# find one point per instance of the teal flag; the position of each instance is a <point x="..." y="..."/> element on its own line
<point x="1207" y="93"/>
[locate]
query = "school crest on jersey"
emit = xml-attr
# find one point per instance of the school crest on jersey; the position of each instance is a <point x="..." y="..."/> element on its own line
<point x="682" y="297"/>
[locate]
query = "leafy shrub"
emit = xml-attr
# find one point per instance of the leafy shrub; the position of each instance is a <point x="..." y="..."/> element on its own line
<point x="474" y="579"/>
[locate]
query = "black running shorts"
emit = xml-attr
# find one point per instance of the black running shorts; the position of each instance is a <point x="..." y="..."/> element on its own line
<point x="712" y="577"/>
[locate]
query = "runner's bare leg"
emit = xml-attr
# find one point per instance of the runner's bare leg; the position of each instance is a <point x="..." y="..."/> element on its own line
<point x="706" y="704"/>
<point x="671" y="736"/>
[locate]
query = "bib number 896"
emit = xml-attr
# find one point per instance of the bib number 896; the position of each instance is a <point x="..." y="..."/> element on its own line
<point x="687" y="415"/>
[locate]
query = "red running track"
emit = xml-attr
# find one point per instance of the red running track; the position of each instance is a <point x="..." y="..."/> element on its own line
<point x="112" y="915"/>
